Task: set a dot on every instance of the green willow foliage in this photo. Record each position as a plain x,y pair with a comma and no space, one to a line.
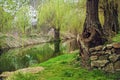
8,10
66,15
69,16
21,21
5,20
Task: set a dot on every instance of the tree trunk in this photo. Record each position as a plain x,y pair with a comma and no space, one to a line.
84,53
56,40
111,26
92,34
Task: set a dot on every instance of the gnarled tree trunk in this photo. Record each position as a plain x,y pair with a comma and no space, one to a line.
92,34
111,26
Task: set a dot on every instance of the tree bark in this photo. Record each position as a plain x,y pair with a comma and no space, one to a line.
111,26
56,40
92,34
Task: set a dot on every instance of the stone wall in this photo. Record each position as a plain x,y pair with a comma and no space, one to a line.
106,57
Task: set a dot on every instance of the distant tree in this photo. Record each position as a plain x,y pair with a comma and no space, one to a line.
51,13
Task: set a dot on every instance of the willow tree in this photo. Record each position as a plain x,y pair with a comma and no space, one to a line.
111,25
51,13
92,34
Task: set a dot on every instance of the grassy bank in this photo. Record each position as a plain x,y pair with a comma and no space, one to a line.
65,67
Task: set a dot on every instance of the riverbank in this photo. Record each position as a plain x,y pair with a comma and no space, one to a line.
10,41
64,67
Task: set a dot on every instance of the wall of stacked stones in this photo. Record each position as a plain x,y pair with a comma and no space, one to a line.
106,57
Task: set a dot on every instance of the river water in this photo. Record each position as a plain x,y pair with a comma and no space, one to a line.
23,57
18,58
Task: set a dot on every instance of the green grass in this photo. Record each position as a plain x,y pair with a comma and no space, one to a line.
65,67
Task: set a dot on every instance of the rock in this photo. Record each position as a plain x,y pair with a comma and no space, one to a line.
108,52
99,63
93,58
117,66
109,68
116,45
93,53
109,46
103,57
92,50
32,70
113,50
98,48
113,57
101,52
104,48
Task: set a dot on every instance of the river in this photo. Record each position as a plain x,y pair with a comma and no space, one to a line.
14,59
